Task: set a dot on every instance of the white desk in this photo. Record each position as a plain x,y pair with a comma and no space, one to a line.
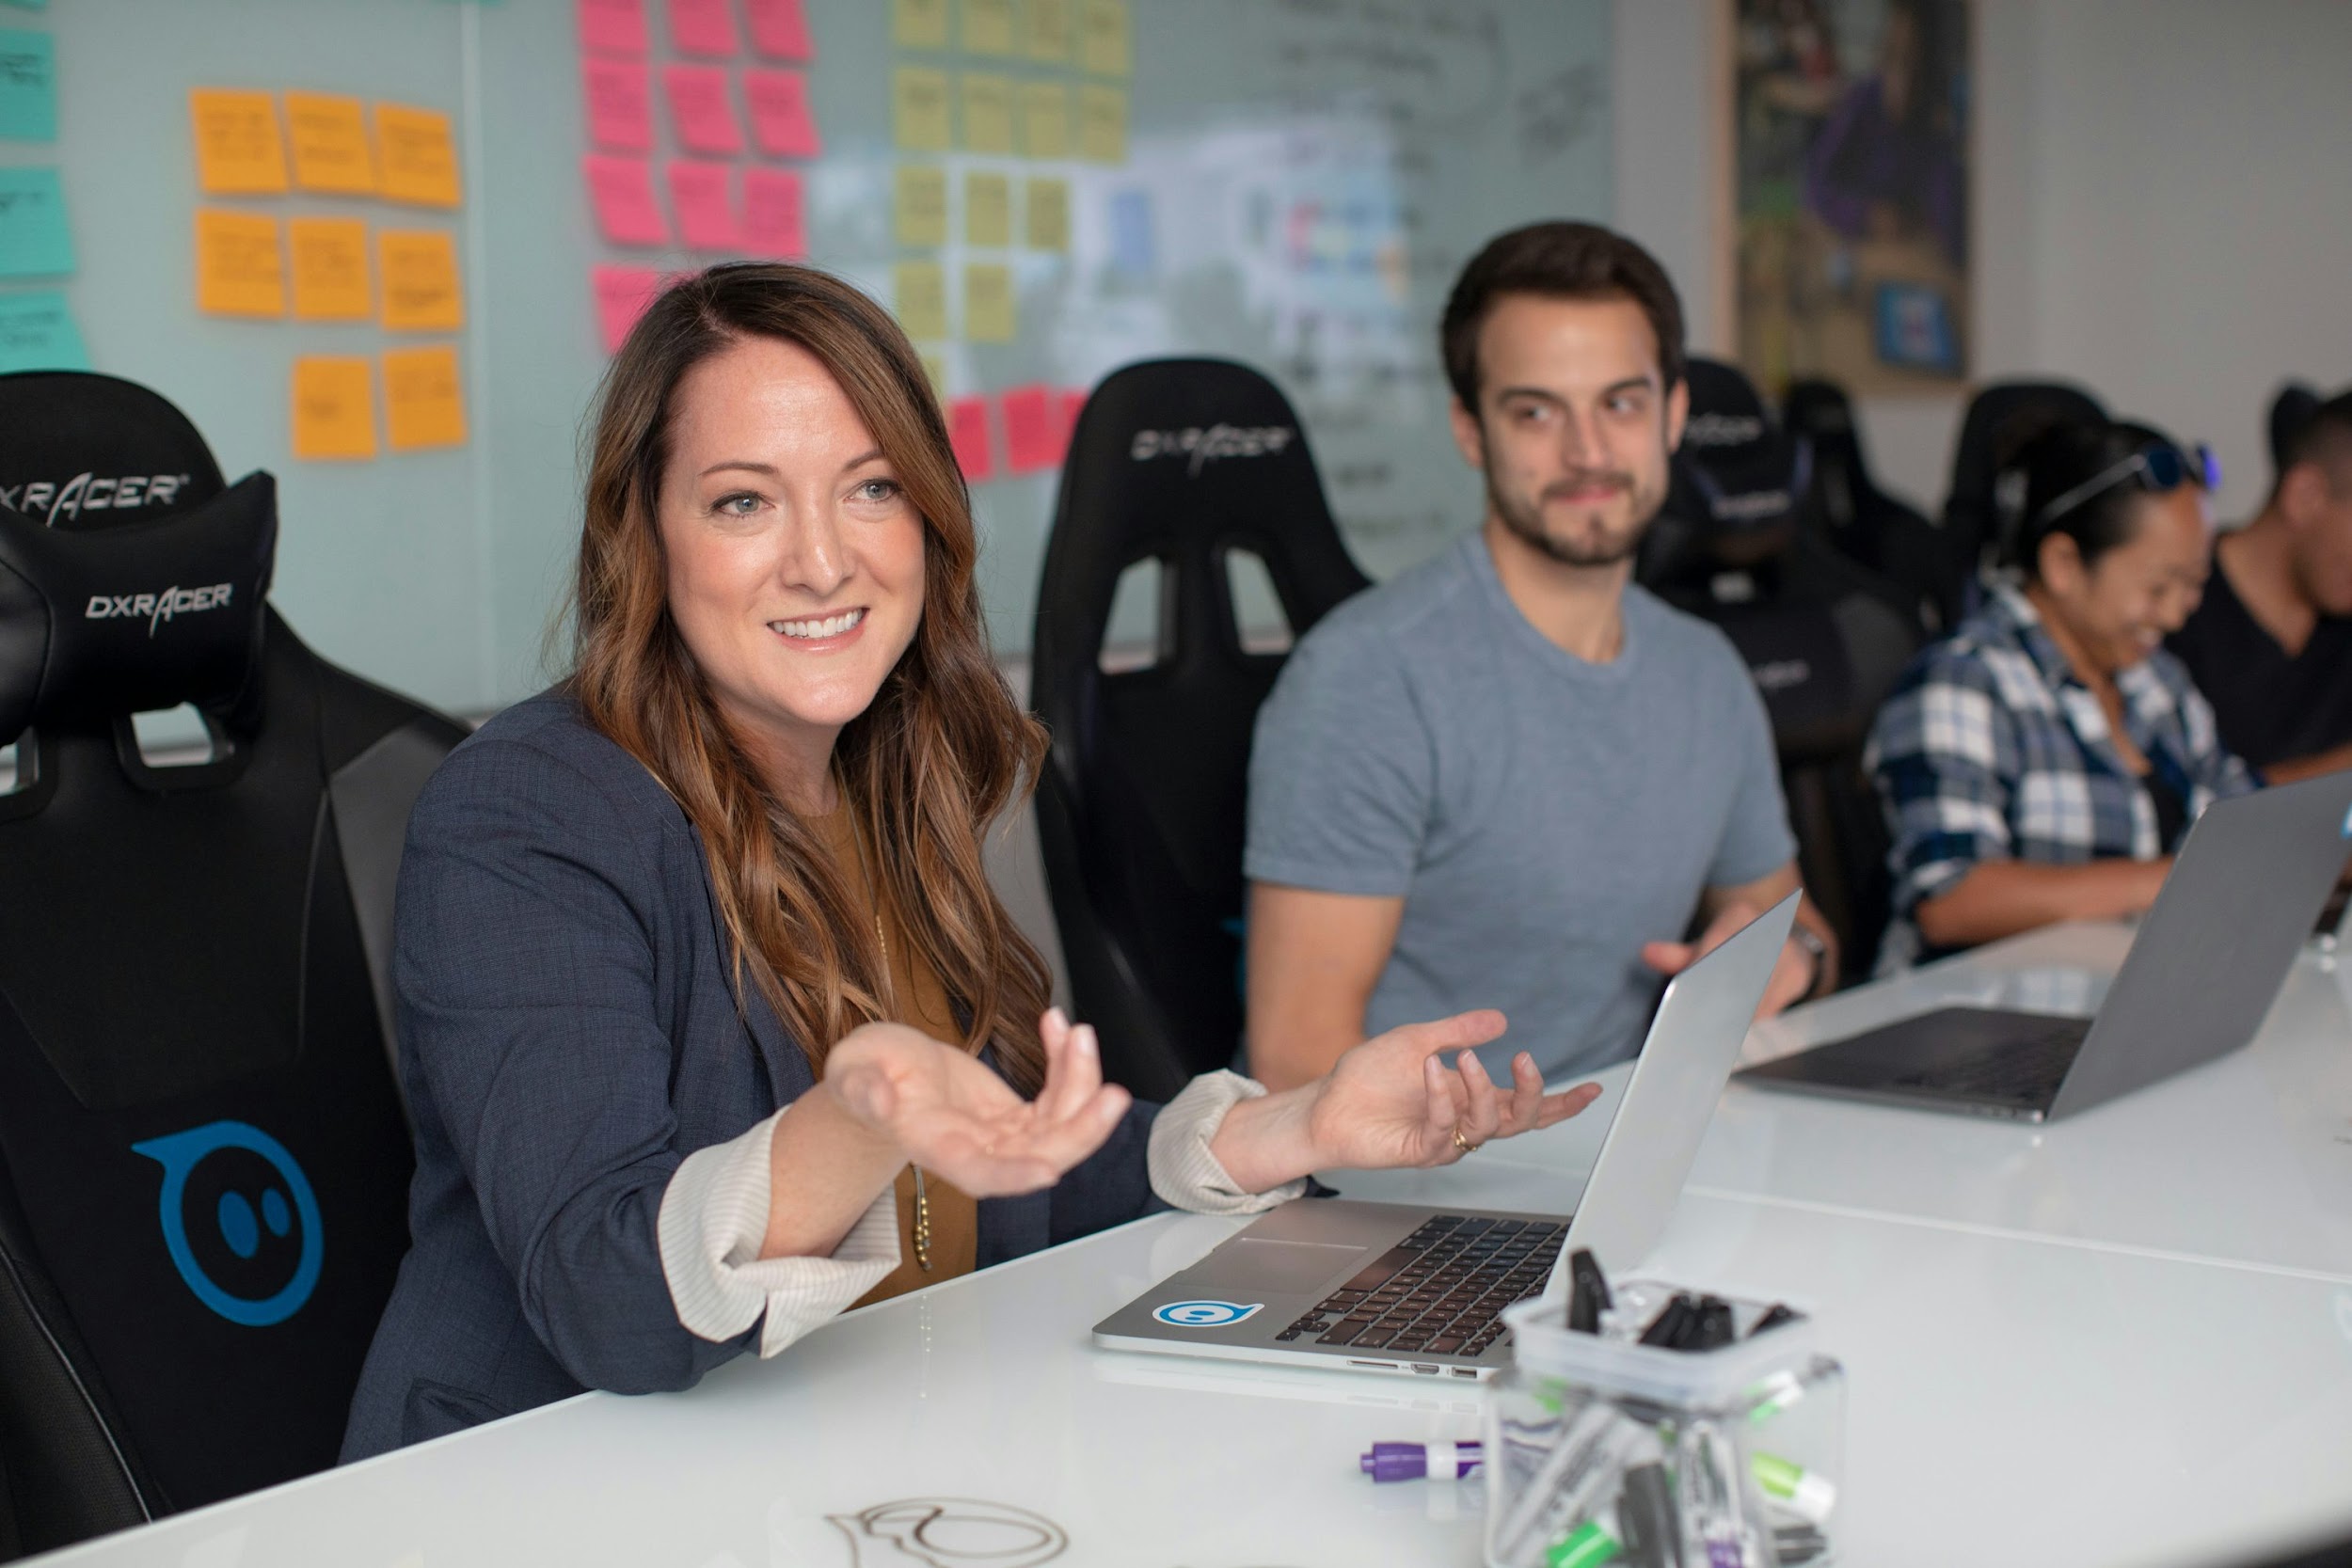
2024,1391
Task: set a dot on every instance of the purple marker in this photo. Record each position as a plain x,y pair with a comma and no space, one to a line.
1412,1461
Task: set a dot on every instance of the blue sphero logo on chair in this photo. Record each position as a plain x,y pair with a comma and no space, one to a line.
1205,1314
239,1219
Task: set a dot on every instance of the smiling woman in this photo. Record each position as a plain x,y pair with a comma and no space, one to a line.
710,1023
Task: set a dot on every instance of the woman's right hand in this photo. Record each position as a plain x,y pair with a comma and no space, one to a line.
949,1112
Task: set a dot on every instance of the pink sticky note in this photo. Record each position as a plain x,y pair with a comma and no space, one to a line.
702,27
968,432
700,110
1031,433
773,224
621,189
620,106
613,26
780,119
1073,403
699,196
621,296
780,30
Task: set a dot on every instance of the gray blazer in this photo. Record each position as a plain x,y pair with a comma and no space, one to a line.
568,1035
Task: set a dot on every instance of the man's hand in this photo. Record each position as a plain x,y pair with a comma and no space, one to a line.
1793,977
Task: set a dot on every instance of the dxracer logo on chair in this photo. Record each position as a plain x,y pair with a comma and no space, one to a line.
240,1220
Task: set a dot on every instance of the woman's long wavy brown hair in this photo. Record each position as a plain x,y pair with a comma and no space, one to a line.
939,753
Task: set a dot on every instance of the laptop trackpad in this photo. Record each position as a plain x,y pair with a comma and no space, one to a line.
1275,1266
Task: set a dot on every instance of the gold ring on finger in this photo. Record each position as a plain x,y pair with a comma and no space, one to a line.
1463,1144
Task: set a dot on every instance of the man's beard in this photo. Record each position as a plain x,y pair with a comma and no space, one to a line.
1525,519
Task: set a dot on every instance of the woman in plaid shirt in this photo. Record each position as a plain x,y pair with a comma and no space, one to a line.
2043,763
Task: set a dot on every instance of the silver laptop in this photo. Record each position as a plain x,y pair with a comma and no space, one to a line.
2207,962
1407,1288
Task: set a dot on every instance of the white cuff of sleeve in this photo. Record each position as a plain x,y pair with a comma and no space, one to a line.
714,1216
1183,1170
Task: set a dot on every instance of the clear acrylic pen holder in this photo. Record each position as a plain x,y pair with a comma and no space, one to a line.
1601,1449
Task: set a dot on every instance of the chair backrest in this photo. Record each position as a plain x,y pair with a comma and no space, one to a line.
1186,463
203,1161
1823,637
1995,417
1847,509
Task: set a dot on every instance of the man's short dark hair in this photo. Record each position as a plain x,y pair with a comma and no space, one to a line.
2303,429
1558,260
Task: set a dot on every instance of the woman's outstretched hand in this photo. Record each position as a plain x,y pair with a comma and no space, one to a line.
948,1112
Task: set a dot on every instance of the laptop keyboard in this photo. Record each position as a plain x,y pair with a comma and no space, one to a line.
2029,1070
1441,1290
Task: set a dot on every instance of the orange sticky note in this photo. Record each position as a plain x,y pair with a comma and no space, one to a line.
416,159
702,27
621,296
237,148
424,399
700,111
239,271
330,269
704,209
621,190
613,26
329,137
774,221
780,115
620,105
421,289
780,30
1033,433
967,433
334,407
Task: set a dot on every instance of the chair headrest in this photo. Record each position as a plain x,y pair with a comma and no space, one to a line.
1993,414
129,578
1738,481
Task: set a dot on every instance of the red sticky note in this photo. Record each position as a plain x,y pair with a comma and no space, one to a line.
1032,434
705,207
780,119
773,224
621,296
780,30
621,189
968,432
620,106
702,27
613,26
1074,402
700,111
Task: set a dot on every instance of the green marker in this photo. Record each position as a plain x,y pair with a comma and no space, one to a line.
1587,1546
1794,1487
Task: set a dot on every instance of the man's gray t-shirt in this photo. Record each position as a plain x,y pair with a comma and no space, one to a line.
1542,816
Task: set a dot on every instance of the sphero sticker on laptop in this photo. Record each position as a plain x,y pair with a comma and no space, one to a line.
2347,824
1205,1314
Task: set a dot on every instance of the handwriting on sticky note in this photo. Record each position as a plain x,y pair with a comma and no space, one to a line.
1103,124
621,192
1045,120
329,262
238,151
780,30
987,112
621,296
328,136
774,221
421,289
918,23
614,26
424,399
416,158
988,308
987,209
37,333
620,105
240,270
919,289
1047,215
700,110
1103,41
967,433
705,207
28,86
1032,428
702,27
34,239
334,407
782,122
918,108
919,204
1046,29
989,26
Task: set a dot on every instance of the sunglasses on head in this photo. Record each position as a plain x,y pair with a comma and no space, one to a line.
2158,466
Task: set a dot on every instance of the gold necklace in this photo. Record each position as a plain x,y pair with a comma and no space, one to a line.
890,999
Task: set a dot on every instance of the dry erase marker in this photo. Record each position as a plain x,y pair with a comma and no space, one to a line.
1412,1461
1808,1496
1588,1545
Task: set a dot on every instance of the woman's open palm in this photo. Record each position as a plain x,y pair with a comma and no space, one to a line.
1393,1101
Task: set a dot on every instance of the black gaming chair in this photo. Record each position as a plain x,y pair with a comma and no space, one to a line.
1824,637
203,1161
1845,506
1971,511
1140,811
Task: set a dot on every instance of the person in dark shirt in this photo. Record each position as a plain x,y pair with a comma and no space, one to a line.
2271,644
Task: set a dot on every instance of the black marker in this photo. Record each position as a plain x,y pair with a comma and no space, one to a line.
1774,1315
1711,1326
1588,1293
1668,1327
1646,1518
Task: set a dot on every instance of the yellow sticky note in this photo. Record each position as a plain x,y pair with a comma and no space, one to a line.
421,290
239,271
334,407
1048,214
920,289
1103,124
1103,39
1045,120
330,269
936,372
416,158
918,109
920,208
987,26
237,148
424,399
918,23
988,313
987,209
329,138
1046,29
987,112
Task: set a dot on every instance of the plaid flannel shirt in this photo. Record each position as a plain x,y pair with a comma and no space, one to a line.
1989,748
